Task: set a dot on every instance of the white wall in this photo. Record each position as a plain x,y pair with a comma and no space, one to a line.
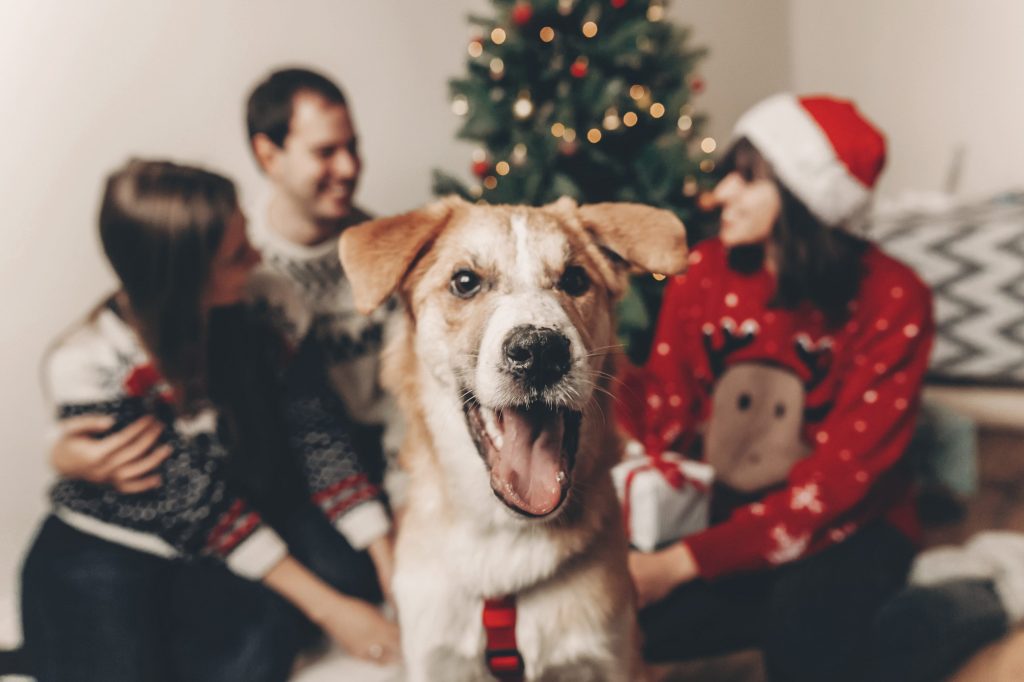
748,58
86,84
935,75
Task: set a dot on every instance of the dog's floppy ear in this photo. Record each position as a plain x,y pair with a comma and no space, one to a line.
376,255
646,239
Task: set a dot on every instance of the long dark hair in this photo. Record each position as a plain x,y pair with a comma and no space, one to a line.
161,225
815,263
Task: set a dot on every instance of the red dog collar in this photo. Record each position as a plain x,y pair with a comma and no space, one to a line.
502,655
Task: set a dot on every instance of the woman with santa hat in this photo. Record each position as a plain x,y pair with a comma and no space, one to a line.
790,357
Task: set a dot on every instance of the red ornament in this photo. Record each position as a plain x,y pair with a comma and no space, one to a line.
579,68
618,4
481,168
696,85
522,13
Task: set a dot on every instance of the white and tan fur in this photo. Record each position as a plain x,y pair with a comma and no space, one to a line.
458,543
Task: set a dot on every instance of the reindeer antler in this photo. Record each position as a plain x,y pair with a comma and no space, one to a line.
816,357
731,341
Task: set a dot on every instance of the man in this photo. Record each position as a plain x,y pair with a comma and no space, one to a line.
303,138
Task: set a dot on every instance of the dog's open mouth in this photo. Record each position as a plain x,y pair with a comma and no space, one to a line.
530,451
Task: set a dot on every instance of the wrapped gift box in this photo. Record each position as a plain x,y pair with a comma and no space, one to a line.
663,498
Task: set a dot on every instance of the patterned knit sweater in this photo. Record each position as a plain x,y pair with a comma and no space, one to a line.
806,426
305,293
102,368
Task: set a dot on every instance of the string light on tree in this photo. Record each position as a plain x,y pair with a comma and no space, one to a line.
629,119
502,168
708,145
519,154
690,186
655,12
565,7
611,120
685,123
475,48
460,105
593,135
490,182
589,29
657,110
707,165
497,67
637,91
498,36
547,34
523,106
557,129
569,135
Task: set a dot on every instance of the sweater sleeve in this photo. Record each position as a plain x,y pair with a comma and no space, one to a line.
660,401
319,432
843,483
194,512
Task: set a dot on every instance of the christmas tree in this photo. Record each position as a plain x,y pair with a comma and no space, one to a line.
589,99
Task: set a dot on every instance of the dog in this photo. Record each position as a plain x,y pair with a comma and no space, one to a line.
503,370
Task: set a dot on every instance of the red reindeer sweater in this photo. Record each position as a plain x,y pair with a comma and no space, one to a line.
812,421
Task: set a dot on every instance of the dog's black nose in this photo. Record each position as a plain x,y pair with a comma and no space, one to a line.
536,355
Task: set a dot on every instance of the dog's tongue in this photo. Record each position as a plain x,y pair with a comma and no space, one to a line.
530,460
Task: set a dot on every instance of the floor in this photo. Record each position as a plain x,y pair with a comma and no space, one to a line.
999,504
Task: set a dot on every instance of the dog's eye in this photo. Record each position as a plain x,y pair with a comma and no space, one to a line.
465,283
574,281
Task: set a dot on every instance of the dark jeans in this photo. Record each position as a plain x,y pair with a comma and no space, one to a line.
812,618
95,611
925,633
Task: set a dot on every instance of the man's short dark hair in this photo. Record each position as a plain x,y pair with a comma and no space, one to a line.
269,110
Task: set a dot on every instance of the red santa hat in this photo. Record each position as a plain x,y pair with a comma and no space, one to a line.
821,148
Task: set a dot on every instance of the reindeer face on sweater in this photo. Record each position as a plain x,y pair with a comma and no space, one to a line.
754,436
758,409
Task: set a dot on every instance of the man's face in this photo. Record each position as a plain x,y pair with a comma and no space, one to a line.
318,166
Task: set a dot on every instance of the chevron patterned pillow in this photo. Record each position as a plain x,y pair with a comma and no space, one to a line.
972,256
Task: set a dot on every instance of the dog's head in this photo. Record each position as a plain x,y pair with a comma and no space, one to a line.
511,311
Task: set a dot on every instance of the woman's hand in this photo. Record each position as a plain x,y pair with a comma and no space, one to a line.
357,626
124,459
382,552
361,629
655,574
